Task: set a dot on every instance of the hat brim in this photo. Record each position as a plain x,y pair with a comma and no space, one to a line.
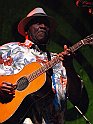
24,21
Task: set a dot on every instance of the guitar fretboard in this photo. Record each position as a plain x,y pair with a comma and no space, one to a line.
77,46
44,68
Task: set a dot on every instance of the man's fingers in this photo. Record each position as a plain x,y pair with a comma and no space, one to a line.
7,84
67,51
8,87
65,47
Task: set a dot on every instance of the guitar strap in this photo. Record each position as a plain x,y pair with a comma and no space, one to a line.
49,58
48,83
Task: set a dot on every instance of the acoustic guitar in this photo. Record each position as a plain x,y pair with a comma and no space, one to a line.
30,79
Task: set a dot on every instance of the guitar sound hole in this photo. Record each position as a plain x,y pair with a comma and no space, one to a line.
22,83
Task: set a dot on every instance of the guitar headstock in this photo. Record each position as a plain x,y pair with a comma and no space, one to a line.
88,40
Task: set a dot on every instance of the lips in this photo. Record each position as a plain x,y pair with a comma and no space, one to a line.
42,33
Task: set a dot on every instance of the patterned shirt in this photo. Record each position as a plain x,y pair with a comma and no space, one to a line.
15,56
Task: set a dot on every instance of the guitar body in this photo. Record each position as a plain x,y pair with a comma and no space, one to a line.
21,113
9,108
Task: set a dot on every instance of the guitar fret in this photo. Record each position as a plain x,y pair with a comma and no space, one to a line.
32,76
43,69
77,45
54,61
36,73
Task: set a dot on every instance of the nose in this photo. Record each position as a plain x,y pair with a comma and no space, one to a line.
42,25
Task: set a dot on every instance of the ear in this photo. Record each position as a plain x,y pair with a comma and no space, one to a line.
26,36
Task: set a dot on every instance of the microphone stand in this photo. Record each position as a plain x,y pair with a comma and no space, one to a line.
87,121
85,118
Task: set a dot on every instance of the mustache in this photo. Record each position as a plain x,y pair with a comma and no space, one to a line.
43,30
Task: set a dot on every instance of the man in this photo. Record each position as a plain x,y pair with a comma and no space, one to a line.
48,103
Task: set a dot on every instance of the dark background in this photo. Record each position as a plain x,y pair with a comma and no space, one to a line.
74,24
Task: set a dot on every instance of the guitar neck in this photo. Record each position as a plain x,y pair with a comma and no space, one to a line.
44,68
87,40
77,46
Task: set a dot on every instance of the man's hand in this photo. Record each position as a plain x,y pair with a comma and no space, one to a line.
7,92
8,88
66,57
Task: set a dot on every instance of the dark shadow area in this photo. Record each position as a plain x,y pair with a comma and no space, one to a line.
78,55
15,33
76,22
85,65
72,113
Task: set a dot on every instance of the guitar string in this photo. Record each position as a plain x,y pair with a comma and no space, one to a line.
44,68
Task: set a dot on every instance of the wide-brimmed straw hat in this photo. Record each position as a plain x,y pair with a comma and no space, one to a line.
37,12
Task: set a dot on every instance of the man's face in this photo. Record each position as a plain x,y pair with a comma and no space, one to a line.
39,30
